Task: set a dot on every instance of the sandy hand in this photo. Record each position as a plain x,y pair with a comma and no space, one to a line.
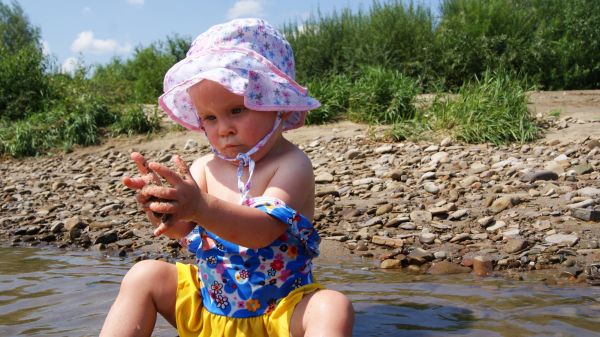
165,195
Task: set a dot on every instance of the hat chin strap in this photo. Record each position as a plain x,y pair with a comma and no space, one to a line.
244,160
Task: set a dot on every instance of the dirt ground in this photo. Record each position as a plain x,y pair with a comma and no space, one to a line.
578,111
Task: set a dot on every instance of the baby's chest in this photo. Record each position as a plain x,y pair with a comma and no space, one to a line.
223,183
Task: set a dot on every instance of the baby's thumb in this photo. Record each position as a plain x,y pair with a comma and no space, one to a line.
160,230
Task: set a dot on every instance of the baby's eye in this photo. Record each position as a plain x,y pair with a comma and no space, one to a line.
238,110
208,118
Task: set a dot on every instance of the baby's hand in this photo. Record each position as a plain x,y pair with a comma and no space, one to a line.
146,178
179,202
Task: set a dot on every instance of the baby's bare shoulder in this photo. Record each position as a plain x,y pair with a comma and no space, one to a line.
294,159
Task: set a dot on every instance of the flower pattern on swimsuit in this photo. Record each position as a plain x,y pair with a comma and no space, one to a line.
242,282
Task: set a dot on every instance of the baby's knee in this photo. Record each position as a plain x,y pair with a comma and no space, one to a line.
143,273
331,302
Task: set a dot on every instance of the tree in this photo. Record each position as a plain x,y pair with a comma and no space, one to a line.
23,84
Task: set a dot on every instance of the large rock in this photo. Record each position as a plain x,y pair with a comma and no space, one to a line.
447,268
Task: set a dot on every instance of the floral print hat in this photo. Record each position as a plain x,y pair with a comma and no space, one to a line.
250,58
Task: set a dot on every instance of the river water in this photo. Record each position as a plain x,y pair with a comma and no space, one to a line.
48,292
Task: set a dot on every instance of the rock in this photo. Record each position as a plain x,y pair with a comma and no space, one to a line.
431,187
353,153
589,191
107,237
322,191
582,204
408,226
390,264
384,149
440,157
468,181
372,222
432,148
383,209
427,238
385,241
419,257
458,214
366,181
478,167
421,217
190,144
586,214
395,222
515,245
486,221
447,268
539,175
442,210
582,169
446,142
501,204
323,178
568,239
496,226
460,237
482,266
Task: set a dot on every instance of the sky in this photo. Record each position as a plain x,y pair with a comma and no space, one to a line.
94,31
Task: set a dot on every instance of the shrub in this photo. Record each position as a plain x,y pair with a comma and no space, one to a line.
134,119
332,91
493,109
381,96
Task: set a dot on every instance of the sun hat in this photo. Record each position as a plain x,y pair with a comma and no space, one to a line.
248,57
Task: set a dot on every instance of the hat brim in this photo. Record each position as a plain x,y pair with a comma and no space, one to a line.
243,72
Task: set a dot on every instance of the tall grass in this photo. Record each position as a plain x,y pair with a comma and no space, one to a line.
492,109
389,35
381,96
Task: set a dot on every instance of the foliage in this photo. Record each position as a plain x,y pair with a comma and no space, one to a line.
390,35
23,84
381,96
333,92
493,109
134,119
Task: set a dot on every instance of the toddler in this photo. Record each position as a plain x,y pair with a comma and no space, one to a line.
244,210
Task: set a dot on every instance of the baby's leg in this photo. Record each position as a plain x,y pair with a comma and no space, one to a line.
149,287
323,313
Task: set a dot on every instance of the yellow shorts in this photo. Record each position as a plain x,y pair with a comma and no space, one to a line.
193,320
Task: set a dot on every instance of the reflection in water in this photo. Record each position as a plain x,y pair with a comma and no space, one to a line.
58,293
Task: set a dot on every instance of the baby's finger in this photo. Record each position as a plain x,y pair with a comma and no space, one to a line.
140,162
170,176
182,167
160,192
161,229
133,183
160,206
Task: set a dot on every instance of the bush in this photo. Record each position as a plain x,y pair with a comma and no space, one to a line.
134,119
493,109
23,84
389,34
332,91
381,96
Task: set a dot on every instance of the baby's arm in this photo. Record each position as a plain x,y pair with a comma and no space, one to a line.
293,183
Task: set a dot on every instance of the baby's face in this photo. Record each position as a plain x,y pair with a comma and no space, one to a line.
231,128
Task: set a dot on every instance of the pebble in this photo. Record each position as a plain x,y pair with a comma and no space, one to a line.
568,239
518,207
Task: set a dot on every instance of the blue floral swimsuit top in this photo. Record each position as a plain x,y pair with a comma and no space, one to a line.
242,282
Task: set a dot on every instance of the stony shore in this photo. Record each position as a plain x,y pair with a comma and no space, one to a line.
432,207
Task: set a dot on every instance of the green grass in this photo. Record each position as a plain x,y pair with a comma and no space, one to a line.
490,110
